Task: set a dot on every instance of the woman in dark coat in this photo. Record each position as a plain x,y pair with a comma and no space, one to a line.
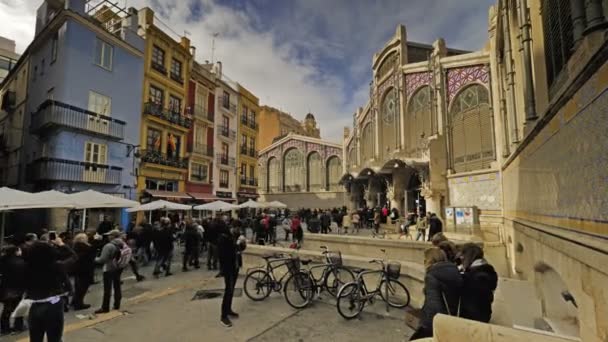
12,268
442,291
83,270
480,281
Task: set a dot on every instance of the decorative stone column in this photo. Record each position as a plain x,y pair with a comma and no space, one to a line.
433,200
398,190
594,14
578,19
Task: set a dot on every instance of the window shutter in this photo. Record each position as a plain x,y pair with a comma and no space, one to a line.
103,154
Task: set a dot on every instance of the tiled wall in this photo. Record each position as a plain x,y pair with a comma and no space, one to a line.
481,190
561,177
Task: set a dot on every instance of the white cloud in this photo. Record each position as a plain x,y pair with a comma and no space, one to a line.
18,21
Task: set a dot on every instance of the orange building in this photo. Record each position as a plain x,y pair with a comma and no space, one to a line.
275,123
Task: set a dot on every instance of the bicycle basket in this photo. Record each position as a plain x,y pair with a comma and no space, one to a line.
393,269
293,265
335,258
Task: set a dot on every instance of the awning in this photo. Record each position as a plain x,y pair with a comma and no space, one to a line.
204,196
168,194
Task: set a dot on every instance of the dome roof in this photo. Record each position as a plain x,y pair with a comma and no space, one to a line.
309,116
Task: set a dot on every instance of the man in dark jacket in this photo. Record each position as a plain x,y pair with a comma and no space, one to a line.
111,271
192,242
104,226
435,226
211,235
229,267
163,243
12,286
325,222
480,282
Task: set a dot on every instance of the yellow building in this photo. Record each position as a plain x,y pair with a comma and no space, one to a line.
247,155
275,123
165,123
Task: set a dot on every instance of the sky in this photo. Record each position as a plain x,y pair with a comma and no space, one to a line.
297,55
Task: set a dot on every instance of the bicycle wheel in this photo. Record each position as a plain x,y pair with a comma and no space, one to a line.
299,290
350,301
398,295
336,278
257,285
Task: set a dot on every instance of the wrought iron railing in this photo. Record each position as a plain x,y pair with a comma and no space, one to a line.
158,111
206,150
226,132
244,149
58,114
252,124
252,181
51,169
230,107
202,113
225,160
157,157
253,152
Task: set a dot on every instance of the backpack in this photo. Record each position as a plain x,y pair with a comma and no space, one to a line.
123,256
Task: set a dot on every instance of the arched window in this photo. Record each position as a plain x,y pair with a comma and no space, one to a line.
315,172
293,170
273,175
367,142
418,125
352,155
471,130
559,36
390,122
334,172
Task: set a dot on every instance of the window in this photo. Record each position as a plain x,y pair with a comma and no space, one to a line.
198,172
226,100
559,36
54,47
160,184
224,150
173,146
103,54
273,175
100,104
158,59
293,170
315,172
252,143
390,122
243,143
224,177
472,130
244,115
155,95
225,121
95,153
199,135
176,70
419,119
153,139
243,171
334,172
252,117
42,67
175,104
251,172
35,73
367,142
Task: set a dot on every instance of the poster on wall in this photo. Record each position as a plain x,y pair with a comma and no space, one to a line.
449,213
459,215
468,216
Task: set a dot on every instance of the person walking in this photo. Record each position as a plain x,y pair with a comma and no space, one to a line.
115,256
421,226
229,267
435,226
377,221
325,222
46,284
211,236
346,222
12,286
192,242
296,224
83,270
164,248
442,291
356,219
480,282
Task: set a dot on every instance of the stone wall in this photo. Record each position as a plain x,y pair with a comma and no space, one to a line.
481,190
322,200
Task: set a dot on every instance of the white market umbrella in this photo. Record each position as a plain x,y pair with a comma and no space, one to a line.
252,204
276,204
159,205
217,206
94,199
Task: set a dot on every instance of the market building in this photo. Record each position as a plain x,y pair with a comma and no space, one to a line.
302,172
515,136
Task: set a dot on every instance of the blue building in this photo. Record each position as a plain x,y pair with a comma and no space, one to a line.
84,101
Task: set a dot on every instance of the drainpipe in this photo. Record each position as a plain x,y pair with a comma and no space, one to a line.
524,28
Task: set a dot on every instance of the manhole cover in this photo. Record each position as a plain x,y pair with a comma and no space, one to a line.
214,293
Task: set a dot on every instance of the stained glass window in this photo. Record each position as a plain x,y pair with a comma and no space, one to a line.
367,142
294,170
273,175
315,172
334,172
390,122
418,125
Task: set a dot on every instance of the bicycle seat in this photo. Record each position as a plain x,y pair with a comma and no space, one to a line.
306,262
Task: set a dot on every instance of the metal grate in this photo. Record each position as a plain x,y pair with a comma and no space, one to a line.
559,36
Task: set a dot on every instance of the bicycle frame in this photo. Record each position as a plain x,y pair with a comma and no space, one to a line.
363,287
269,268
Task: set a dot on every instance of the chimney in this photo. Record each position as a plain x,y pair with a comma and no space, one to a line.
129,28
185,43
218,70
193,52
146,17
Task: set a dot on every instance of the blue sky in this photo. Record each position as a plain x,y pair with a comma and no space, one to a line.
298,55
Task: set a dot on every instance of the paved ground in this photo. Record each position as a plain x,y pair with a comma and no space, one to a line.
163,310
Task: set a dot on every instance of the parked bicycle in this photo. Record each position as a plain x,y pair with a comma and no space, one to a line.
302,285
353,296
261,281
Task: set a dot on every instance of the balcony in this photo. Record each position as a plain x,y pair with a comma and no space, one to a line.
252,181
225,160
206,150
50,169
253,153
251,123
157,110
160,68
177,78
226,132
53,114
244,120
229,107
202,113
159,158
244,150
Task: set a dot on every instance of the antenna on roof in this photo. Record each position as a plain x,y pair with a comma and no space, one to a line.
214,35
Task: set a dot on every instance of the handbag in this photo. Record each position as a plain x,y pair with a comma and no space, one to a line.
447,307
